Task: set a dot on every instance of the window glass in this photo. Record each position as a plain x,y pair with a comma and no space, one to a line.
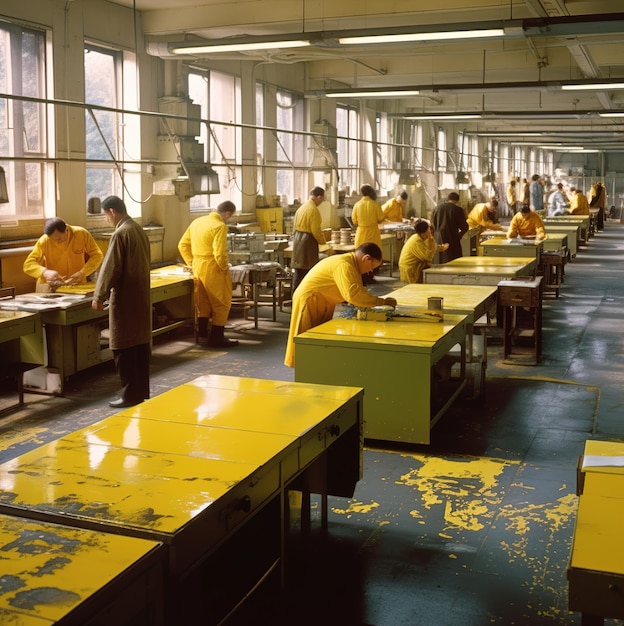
102,68
22,124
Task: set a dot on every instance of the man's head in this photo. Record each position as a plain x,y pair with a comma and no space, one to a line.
492,205
512,182
226,209
368,191
421,227
114,208
402,197
453,197
317,195
525,209
368,256
56,229
560,186
535,177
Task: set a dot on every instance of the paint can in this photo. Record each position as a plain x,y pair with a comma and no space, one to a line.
435,304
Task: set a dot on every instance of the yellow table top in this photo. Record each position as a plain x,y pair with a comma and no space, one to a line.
54,568
456,297
490,261
598,542
503,241
398,333
606,457
253,405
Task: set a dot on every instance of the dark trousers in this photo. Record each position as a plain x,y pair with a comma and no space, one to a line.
133,366
298,275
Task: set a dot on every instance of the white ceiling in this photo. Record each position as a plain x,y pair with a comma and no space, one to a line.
442,70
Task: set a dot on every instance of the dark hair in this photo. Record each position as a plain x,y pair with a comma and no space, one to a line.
493,202
403,195
367,190
453,196
54,223
559,185
370,248
114,202
422,226
535,177
227,206
512,183
317,191
525,208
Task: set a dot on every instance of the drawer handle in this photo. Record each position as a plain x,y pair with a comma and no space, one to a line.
334,430
244,504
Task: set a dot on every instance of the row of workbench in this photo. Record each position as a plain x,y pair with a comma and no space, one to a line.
170,512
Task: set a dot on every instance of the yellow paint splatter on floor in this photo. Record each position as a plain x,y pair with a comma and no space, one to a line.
467,488
356,507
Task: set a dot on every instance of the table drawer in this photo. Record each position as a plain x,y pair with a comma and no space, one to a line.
519,296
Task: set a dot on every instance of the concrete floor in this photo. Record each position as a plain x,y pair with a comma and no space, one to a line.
474,529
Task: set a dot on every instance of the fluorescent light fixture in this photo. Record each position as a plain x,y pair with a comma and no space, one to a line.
592,86
240,47
562,147
437,36
614,114
443,118
372,94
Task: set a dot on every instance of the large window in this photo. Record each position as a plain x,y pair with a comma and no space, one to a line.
291,156
102,68
219,98
347,128
22,124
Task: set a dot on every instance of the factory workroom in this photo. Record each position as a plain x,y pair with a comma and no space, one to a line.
474,527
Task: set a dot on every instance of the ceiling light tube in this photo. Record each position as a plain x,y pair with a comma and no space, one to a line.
592,86
407,37
614,114
372,94
239,47
442,117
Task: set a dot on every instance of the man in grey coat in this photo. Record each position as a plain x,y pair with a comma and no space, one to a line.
124,280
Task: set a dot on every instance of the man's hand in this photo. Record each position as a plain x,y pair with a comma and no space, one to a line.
96,305
443,247
52,277
75,279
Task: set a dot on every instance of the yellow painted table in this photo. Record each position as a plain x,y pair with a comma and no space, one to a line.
203,468
555,242
512,248
571,229
480,270
596,569
15,328
74,330
583,221
405,368
53,574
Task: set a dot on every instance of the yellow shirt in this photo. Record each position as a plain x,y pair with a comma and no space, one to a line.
332,280
480,217
416,256
204,247
526,225
78,253
367,215
393,210
579,204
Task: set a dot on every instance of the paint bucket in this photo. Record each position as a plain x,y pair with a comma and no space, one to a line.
435,304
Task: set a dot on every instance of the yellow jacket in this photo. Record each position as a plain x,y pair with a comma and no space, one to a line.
367,215
393,210
204,247
78,253
416,256
526,225
480,217
332,280
579,204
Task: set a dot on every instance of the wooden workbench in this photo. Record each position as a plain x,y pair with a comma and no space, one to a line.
204,469
404,366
